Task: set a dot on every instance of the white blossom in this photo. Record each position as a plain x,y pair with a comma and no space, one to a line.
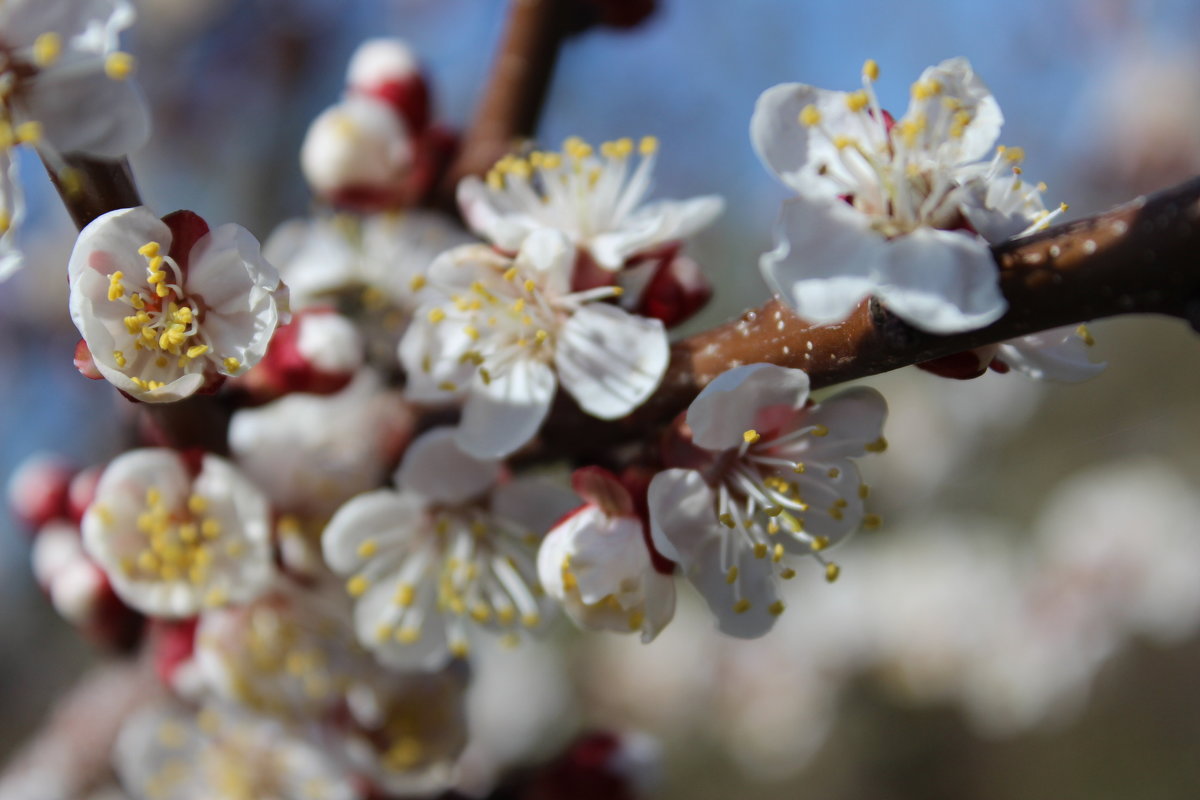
884,210
506,332
167,752
451,546
290,653
382,258
596,201
173,542
768,477
64,88
160,324
597,563
311,453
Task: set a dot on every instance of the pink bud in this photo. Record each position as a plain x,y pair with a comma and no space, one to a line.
318,352
37,490
82,491
387,69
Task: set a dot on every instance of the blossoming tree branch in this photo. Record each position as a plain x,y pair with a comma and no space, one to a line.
330,500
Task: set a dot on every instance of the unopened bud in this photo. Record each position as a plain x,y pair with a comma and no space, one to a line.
357,154
387,69
37,490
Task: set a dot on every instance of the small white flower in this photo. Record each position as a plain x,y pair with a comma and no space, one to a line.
379,259
883,210
506,332
64,89
768,477
450,547
311,453
160,323
173,542
597,202
597,562
167,752
290,653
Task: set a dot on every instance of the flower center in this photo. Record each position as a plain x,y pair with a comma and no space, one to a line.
509,319
574,191
178,543
468,564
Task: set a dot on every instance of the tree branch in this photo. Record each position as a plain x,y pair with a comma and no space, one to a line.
511,102
1140,258
90,187
70,754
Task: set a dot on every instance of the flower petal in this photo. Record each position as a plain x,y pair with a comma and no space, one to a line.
736,399
1059,354
502,415
853,418
683,519
435,468
941,281
367,516
825,260
610,361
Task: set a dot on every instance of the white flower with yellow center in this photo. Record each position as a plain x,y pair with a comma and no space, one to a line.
160,323
172,540
767,477
290,653
168,752
597,562
506,332
449,548
597,201
893,210
64,88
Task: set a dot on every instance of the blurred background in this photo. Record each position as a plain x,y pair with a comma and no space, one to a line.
1024,624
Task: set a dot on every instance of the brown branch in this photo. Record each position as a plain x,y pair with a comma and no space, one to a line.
511,101
70,754
1140,258
90,187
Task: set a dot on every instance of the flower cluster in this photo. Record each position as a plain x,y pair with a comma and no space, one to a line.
322,572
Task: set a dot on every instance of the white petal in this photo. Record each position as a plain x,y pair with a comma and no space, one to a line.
779,139
504,414
504,229
804,158
652,225
659,592
435,468
431,354
735,400
854,419
88,112
825,259
1059,354
382,512
960,83
610,361
683,518
941,281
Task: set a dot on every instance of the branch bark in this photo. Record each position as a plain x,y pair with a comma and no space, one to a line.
70,754
1140,258
511,101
